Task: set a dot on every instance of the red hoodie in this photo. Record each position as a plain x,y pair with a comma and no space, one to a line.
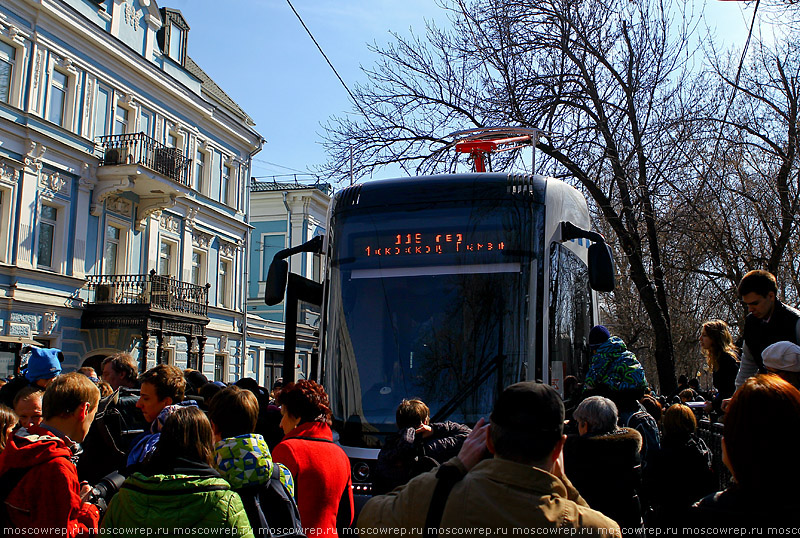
48,496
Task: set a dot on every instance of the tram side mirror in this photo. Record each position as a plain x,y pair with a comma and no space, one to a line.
601,267
275,288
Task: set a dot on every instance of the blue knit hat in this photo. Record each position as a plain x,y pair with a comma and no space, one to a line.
598,336
43,364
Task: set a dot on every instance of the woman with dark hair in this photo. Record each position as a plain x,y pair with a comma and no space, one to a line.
759,446
178,488
320,467
681,473
722,359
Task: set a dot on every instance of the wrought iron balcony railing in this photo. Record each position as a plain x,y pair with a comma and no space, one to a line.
141,149
151,290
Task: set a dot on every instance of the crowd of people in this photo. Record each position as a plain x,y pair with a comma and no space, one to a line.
168,452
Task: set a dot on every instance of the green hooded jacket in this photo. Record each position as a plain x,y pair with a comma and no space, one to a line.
177,505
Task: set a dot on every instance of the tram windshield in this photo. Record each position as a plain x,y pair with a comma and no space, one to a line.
426,303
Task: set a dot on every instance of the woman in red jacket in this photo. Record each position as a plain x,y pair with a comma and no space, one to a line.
320,467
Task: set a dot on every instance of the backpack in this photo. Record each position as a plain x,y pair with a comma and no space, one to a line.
271,509
644,423
117,423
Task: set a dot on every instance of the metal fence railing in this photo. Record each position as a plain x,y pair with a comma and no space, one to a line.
152,290
140,149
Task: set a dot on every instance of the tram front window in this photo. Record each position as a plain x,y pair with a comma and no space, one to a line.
430,312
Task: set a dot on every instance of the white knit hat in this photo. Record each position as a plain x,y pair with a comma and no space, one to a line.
783,356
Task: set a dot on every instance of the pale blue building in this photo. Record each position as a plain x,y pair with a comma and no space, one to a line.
123,190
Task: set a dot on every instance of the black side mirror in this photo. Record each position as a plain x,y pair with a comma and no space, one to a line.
275,288
601,267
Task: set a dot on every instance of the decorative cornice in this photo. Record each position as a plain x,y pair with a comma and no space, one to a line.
8,174
119,205
53,183
201,239
170,223
33,159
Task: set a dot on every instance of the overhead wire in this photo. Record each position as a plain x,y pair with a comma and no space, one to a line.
341,80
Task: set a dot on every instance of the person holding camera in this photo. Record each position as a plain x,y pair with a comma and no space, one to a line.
38,480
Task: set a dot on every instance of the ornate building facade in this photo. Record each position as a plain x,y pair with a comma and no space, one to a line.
123,190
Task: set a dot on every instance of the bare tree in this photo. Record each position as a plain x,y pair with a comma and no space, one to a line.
599,77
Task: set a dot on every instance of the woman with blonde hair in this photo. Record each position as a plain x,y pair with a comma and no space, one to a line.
722,359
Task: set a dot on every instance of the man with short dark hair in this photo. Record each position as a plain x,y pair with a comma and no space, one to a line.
161,386
119,370
769,321
523,486
38,461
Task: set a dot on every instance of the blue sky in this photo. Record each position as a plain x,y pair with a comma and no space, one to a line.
259,53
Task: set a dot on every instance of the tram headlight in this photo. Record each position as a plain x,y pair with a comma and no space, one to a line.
360,471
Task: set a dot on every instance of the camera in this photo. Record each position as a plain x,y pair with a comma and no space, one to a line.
105,489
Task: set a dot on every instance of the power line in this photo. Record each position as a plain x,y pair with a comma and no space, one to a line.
281,166
352,97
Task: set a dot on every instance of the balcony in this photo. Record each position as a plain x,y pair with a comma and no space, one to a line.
138,164
132,300
156,305
140,149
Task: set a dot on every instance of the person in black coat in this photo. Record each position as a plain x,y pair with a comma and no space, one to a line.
681,472
417,447
603,462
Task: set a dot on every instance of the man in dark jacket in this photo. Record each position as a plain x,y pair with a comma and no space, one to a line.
417,447
768,322
47,494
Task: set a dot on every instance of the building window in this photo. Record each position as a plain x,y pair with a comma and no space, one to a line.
198,268
166,258
146,122
8,56
199,170
225,184
59,85
102,114
219,367
223,284
112,250
176,43
47,232
172,140
121,118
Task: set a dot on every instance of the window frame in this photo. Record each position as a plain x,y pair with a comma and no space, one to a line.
121,261
65,118
118,105
107,114
202,267
173,257
224,291
57,248
201,186
221,357
225,184
17,78
12,63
